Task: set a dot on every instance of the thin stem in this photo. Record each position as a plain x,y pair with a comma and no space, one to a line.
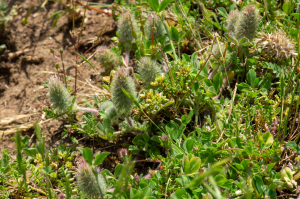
98,183
64,72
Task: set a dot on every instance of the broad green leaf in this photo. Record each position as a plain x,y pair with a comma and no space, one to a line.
242,86
294,146
100,158
164,4
174,34
259,184
186,164
154,4
167,48
146,137
30,152
208,83
211,92
286,7
179,194
88,155
188,145
118,170
47,170
146,192
239,166
251,75
195,164
222,11
296,15
217,82
266,141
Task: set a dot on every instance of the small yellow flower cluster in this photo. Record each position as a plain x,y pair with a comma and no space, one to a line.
152,101
158,81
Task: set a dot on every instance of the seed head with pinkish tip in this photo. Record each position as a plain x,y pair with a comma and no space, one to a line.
61,196
137,178
165,138
122,153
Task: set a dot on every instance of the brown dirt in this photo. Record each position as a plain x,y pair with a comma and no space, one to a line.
21,78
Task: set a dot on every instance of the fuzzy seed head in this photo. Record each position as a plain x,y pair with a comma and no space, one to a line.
108,59
247,23
127,27
158,28
231,21
277,44
86,181
122,80
59,94
148,70
109,108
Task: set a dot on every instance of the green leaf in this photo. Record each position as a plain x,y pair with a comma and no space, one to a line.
132,99
251,75
266,141
164,4
30,152
100,158
179,194
211,92
154,4
188,145
296,15
259,184
286,7
239,166
167,48
88,155
47,170
118,170
80,149
146,137
208,83
186,164
174,34
195,164
222,11
294,146
218,81
87,61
